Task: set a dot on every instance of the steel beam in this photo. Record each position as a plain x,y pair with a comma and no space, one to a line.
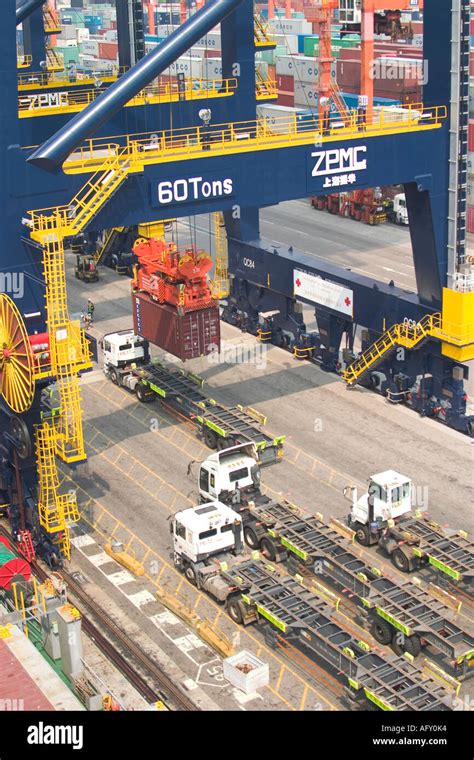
53,152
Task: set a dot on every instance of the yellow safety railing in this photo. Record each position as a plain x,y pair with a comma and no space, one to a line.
265,88
261,33
248,136
51,21
38,104
24,61
36,79
409,335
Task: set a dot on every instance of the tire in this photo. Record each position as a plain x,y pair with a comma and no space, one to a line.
235,611
114,376
251,539
381,631
268,549
210,438
412,645
362,535
223,443
140,391
401,561
190,574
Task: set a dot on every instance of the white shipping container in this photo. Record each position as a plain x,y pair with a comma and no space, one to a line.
287,41
190,67
82,34
291,26
111,35
211,68
301,67
68,32
89,47
277,118
212,41
103,65
306,94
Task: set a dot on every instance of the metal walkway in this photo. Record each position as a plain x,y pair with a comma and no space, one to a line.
298,614
73,101
248,136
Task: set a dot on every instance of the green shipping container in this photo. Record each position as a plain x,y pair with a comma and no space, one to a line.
69,53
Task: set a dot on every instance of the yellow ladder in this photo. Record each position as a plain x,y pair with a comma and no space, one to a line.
56,511
407,335
69,352
220,282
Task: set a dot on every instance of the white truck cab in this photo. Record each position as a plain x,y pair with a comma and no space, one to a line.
205,531
400,211
388,497
229,471
123,348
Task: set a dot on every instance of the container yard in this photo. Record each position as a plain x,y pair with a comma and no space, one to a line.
237,340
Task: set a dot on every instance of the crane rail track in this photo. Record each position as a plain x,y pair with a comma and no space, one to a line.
165,689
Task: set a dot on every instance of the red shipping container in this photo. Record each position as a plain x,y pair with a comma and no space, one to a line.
286,84
108,50
471,135
187,336
286,100
471,65
272,75
472,25
470,219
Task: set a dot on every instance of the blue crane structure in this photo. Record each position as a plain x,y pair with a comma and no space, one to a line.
123,159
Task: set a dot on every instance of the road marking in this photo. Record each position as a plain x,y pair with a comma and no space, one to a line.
141,598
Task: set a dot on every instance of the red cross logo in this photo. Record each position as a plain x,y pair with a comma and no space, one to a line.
298,282
347,301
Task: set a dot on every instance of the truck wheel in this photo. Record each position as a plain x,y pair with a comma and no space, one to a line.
362,535
114,376
251,538
235,610
412,645
141,394
210,438
267,548
381,631
190,574
401,561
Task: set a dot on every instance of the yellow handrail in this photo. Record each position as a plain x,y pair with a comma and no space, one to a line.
39,104
188,142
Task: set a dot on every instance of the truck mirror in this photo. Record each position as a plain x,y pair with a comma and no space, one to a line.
171,527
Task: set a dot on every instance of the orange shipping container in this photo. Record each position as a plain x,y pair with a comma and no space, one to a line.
108,50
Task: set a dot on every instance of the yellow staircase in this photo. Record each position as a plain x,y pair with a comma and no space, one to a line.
54,60
405,335
264,88
262,37
69,351
56,511
51,21
220,282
